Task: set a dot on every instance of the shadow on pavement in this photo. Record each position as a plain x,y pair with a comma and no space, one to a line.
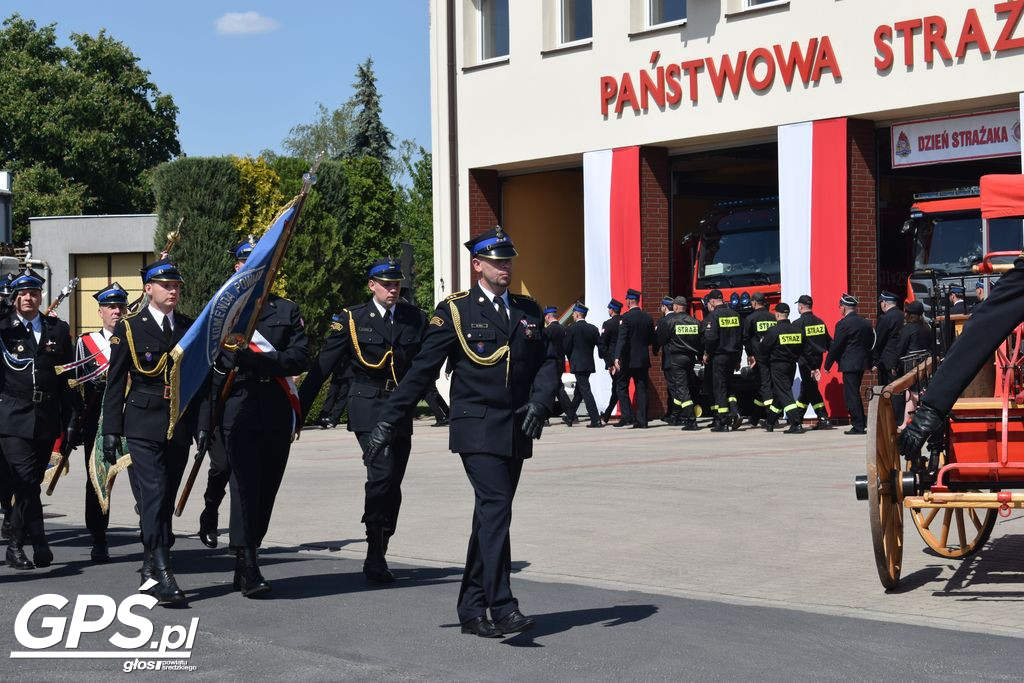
983,575
559,622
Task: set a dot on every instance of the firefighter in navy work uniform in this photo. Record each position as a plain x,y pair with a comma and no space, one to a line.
35,407
681,338
606,348
851,349
258,420
782,347
580,342
671,416
504,378
633,360
755,326
140,411
817,342
723,344
887,334
113,303
379,340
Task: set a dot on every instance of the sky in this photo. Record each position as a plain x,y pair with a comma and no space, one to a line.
243,73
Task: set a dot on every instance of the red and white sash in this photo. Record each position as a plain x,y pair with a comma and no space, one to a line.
259,344
97,346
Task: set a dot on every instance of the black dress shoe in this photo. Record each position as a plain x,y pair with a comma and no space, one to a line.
637,425
569,422
595,425
17,559
440,423
823,423
99,553
795,428
623,423
248,578
515,623
42,555
208,527
166,590
855,430
480,626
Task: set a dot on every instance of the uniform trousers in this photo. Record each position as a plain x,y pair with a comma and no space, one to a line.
851,394
765,394
614,400
723,365
219,474
256,460
95,521
25,461
337,398
885,375
384,477
156,472
438,406
6,489
782,374
585,394
810,395
639,379
486,582
680,375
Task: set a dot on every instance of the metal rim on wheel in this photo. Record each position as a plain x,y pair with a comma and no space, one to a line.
885,507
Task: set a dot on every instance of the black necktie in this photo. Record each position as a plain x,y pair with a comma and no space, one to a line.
167,329
31,334
502,311
387,317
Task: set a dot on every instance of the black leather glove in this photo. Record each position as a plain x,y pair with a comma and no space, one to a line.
71,439
926,422
111,448
245,359
534,415
379,441
202,443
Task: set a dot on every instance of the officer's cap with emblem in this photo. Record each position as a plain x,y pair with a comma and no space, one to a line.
888,296
27,279
806,300
848,300
580,308
551,310
241,251
632,294
782,307
494,243
956,289
666,301
5,284
680,301
160,271
112,294
385,270
714,294
615,305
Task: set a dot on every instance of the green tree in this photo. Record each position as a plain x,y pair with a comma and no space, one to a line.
416,218
330,133
84,121
369,135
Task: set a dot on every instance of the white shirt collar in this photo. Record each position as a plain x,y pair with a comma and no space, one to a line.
158,316
381,309
492,296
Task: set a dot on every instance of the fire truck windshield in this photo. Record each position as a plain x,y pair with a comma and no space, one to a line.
952,243
739,258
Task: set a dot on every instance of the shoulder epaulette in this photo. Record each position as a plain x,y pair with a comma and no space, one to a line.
457,295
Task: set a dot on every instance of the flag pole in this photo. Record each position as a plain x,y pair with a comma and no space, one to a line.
308,180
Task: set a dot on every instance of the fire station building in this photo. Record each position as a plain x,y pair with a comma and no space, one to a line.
677,146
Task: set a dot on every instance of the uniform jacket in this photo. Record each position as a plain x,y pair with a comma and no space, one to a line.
851,348
60,405
661,331
783,344
483,398
370,387
556,333
256,398
816,339
887,334
91,391
959,308
723,334
755,327
915,336
636,334
609,338
142,412
680,336
580,340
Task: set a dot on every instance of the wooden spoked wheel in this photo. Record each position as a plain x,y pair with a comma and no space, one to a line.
885,506
955,533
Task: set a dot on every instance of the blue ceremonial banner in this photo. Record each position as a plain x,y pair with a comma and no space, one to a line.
228,312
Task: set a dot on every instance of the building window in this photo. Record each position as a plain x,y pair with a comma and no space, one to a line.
493,29
577,20
755,3
665,11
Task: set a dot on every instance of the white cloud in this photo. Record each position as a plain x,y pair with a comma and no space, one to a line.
236,23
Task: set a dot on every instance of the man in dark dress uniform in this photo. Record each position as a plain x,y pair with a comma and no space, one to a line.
781,348
580,342
957,305
606,349
680,337
259,418
991,322
6,486
755,326
379,340
851,349
140,351
816,345
723,344
556,333
504,378
92,378
887,333
633,360
35,407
